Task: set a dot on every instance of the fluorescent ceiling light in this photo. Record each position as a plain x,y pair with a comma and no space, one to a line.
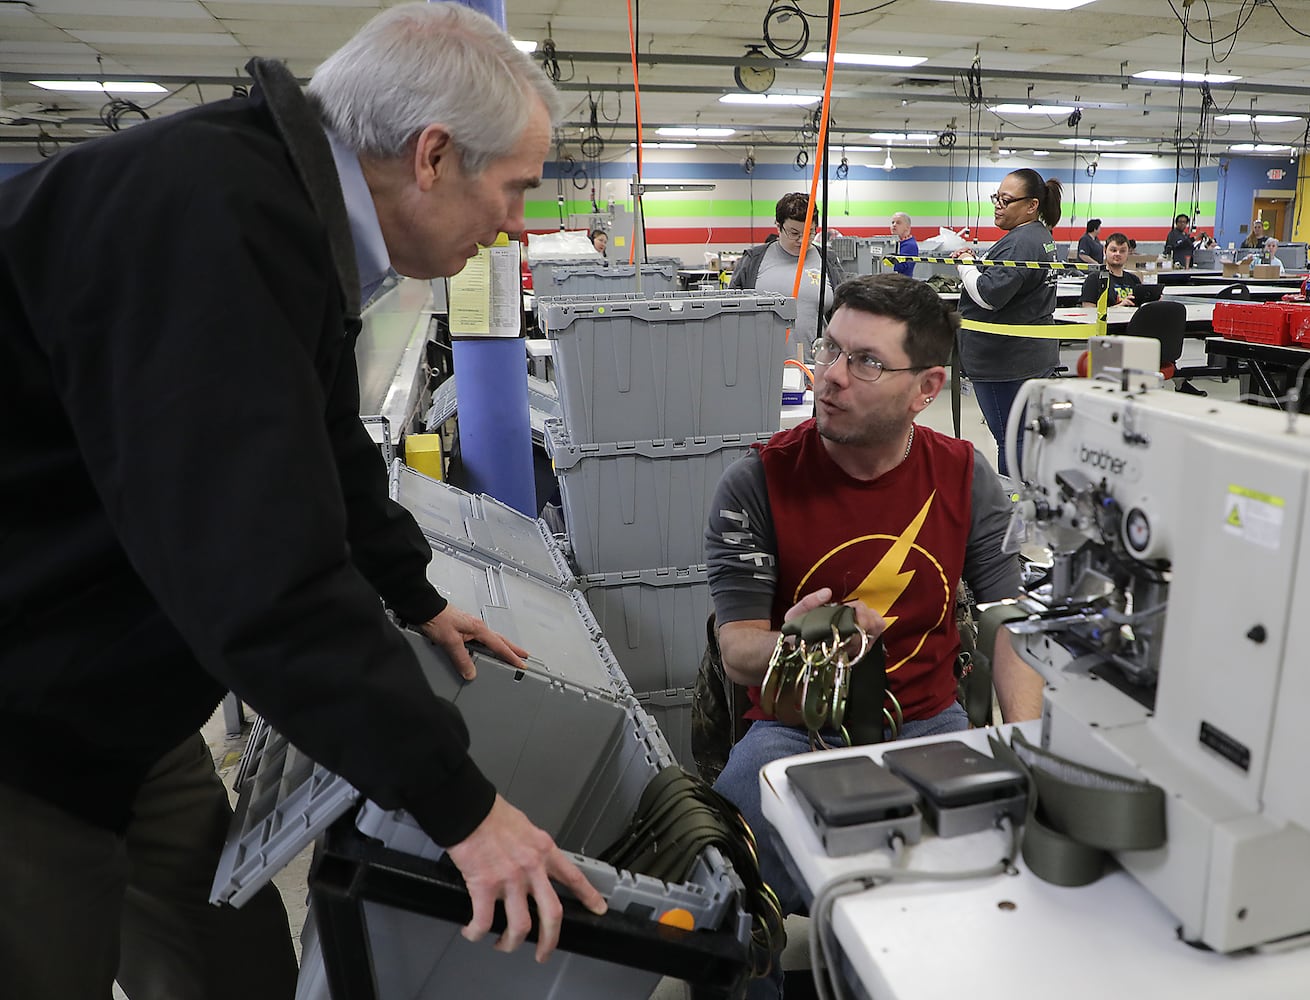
696,133
1039,152
1259,147
523,46
1031,109
865,59
663,145
793,99
859,149
903,136
1029,4
1130,156
111,86
1258,119
1175,76
1080,141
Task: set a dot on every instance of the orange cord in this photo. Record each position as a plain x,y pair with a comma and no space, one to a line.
636,93
809,375
819,166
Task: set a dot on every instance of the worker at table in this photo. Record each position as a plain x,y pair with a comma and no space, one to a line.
1123,284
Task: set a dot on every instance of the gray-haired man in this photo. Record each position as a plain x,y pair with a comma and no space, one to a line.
203,511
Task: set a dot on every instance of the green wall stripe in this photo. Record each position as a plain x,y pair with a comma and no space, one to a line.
665,207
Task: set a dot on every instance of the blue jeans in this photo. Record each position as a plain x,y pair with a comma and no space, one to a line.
764,743
995,400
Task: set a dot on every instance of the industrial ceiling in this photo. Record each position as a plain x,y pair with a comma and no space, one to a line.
976,58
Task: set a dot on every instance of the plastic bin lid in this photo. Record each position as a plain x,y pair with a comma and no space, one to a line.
480,525
559,312
562,273
543,403
286,801
556,626
564,454
673,576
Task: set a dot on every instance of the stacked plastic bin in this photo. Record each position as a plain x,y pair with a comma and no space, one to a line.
565,740
552,278
658,396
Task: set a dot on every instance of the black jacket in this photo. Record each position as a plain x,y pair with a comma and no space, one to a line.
188,502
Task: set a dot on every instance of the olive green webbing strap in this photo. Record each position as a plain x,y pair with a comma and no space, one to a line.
816,625
868,693
955,387
1076,814
868,684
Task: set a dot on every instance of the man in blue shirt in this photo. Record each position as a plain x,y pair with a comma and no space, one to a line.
908,245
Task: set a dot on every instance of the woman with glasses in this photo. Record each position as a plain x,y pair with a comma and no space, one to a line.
771,266
1026,207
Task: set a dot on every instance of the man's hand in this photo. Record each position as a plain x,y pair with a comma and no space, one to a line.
507,858
963,252
452,628
865,617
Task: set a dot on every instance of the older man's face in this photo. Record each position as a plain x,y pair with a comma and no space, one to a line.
451,211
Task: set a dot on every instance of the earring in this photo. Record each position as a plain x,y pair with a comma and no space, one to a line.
927,399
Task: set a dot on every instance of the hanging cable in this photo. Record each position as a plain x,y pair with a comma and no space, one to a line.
820,166
638,218
779,12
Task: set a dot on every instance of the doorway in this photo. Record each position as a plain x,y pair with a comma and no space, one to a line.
1274,213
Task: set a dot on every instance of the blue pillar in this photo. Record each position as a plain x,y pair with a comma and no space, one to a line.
495,431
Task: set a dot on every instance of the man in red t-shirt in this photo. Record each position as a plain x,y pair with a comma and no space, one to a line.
862,506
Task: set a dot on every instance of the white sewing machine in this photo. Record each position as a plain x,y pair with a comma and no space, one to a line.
1169,636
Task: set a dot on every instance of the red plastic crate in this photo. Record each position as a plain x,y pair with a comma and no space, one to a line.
1257,322
1298,325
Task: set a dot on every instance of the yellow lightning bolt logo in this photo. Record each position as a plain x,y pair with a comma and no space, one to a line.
886,582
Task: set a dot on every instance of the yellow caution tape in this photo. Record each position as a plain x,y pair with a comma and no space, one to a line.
1034,265
1050,331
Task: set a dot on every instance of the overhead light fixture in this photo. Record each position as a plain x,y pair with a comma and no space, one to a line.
904,136
797,100
1031,109
1039,152
696,133
109,86
860,149
523,46
1175,76
865,59
663,145
1028,4
1258,119
1259,147
1130,156
1082,141
887,164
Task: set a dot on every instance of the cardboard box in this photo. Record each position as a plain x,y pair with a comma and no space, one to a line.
1138,261
1233,268
1266,271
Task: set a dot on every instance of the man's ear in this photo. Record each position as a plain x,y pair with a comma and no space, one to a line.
434,153
930,387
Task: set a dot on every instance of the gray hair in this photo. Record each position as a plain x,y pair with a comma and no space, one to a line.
1271,243
898,216
421,64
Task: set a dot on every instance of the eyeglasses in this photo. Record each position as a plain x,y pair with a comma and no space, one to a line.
792,234
1005,200
861,364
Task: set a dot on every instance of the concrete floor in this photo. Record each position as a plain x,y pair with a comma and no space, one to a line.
292,882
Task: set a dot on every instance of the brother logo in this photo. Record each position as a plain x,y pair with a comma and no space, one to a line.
1105,461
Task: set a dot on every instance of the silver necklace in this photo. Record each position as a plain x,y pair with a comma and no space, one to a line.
908,444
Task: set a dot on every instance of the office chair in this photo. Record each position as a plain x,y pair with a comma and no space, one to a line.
1234,291
1165,321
